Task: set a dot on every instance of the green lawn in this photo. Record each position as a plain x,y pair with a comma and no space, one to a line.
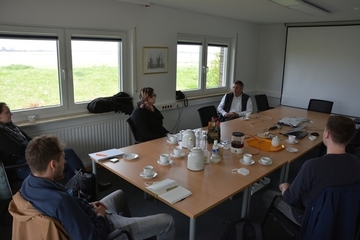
24,86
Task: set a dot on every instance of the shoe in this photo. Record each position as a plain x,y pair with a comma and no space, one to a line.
102,186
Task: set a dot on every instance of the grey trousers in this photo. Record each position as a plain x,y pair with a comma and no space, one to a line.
279,204
160,225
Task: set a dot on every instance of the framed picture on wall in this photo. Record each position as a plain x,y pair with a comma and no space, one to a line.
155,60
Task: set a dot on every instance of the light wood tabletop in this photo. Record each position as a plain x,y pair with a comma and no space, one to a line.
216,183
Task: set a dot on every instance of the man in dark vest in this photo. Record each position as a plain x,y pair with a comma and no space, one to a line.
235,104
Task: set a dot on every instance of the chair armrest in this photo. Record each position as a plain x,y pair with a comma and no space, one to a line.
117,232
15,165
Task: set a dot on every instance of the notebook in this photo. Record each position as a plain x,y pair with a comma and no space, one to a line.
292,121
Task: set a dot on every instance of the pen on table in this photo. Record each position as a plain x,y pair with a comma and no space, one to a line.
101,154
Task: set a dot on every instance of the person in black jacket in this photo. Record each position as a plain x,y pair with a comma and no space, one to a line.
235,104
147,119
13,142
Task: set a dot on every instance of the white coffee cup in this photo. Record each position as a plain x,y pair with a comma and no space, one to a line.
177,151
32,118
164,158
148,171
247,114
291,139
173,139
247,157
265,160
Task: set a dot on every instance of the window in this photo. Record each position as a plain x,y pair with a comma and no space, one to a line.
202,65
54,72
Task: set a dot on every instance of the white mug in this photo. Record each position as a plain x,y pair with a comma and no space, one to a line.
291,138
173,138
148,171
247,157
265,160
164,158
275,141
32,118
247,114
177,151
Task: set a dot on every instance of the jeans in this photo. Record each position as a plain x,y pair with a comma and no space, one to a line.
73,163
117,212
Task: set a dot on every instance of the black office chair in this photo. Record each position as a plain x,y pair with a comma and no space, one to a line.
262,102
206,113
133,129
319,105
333,215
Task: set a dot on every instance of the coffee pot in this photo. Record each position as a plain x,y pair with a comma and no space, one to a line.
195,160
186,135
237,142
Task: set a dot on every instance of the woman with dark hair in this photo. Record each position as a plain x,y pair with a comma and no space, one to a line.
147,119
13,142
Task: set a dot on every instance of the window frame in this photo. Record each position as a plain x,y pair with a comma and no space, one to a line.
67,104
205,41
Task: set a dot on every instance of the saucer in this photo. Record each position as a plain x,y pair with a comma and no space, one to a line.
169,162
268,163
180,156
172,142
289,149
250,163
287,140
143,176
130,156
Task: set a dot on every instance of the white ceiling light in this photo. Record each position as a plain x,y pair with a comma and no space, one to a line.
302,6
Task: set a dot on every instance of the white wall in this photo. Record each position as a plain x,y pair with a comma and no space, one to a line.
270,62
155,26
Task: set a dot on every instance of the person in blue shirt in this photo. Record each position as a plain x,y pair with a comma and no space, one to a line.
82,220
336,168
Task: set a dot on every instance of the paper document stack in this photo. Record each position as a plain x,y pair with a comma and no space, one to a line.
106,154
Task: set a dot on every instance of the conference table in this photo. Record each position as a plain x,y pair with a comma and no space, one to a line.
216,183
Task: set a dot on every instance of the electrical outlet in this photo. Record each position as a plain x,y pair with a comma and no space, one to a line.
166,106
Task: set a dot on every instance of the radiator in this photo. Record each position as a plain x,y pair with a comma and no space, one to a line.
92,137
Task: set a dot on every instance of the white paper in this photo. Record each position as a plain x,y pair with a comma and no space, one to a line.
98,156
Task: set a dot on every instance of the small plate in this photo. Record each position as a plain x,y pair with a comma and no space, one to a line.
287,140
180,156
143,176
268,136
290,149
169,162
172,142
251,162
268,163
312,138
130,156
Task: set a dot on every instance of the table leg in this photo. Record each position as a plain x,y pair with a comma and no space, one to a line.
287,169
246,202
192,229
94,172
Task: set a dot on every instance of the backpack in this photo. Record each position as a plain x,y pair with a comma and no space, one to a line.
244,229
82,185
120,102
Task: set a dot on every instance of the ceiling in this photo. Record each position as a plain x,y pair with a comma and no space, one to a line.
265,11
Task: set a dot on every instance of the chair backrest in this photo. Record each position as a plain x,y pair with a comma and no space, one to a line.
262,102
133,129
333,215
206,113
319,105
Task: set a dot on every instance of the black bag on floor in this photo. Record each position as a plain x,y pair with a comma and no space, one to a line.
244,229
82,185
